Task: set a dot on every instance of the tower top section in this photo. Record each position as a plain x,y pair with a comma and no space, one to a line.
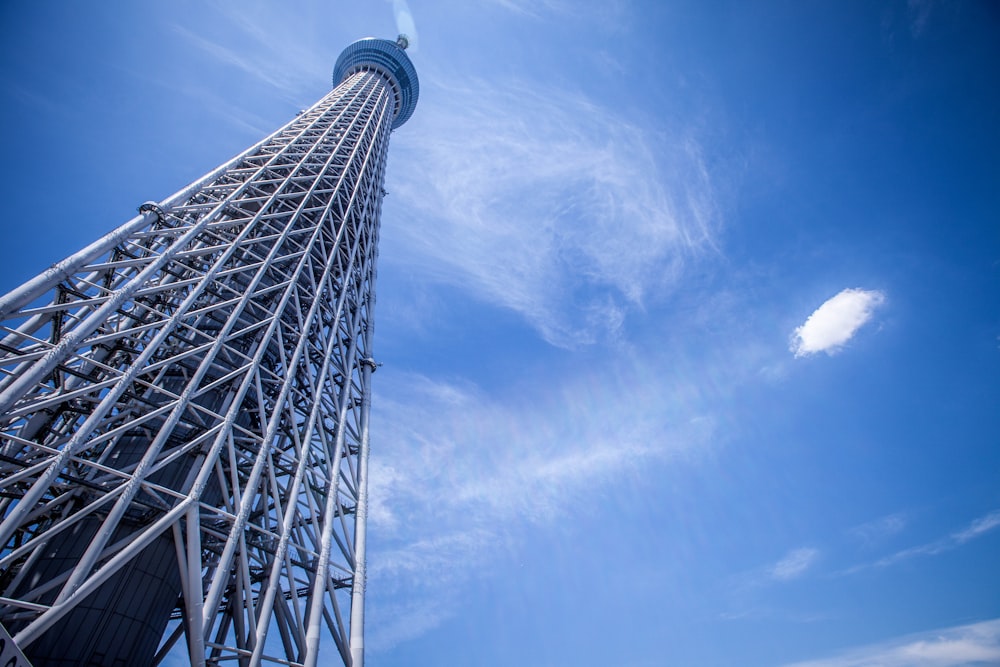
390,60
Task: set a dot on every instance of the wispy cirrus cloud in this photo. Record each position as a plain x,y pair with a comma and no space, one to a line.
545,203
919,14
242,60
975,645
212,101
746,590
283,50
450,447
459,474
532,8
835,322
602,15
794,564
876,531
980,526
975,529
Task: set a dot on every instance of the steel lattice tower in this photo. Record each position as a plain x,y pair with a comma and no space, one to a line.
184,406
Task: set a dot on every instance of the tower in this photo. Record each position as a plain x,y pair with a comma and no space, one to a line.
184,406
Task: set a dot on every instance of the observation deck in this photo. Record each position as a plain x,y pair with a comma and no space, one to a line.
390,60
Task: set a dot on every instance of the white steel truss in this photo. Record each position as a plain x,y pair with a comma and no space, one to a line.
184,412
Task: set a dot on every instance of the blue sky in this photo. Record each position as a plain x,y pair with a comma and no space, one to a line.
689,311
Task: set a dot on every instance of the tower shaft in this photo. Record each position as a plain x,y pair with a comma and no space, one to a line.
184,410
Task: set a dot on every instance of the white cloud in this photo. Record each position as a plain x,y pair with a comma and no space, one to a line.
459,475
747,586
533,7
793,565
449,447
544,203
972,645
919,12
980,526
288,51
879,530
405,24
976,528
834,323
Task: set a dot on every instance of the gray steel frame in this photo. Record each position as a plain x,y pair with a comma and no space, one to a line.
229,327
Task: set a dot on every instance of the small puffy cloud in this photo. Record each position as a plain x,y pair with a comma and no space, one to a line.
835,322
794,565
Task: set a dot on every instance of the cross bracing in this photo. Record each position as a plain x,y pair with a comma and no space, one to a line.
184,412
